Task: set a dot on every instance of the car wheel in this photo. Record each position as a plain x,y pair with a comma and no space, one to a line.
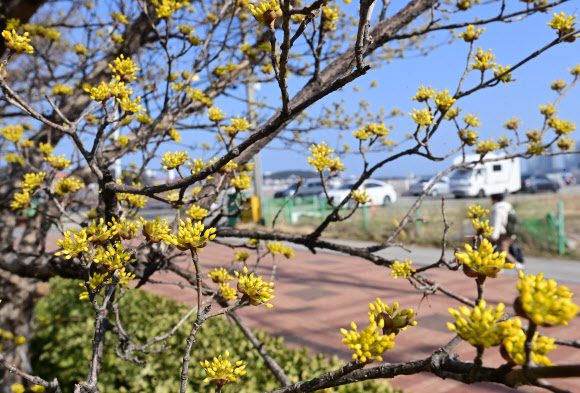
387,201
481,194
434,193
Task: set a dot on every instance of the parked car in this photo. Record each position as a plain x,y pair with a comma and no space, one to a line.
309,188
439,188
380,192
536,183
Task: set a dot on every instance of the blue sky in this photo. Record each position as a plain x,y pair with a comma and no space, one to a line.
442,69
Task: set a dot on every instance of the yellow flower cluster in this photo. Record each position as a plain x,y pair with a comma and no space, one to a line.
215,114
470,34
32,181
257,291
476,211
17,43
241,256
113,256
369,343
12,132
329,18
361,197
564,24
124,229
175,160
227,292
544,302
238,125
424,94
95,280
190,236
443,100
68,185
478,327
242,181
483,60
124,69
402,269
62,90
222,371
74,243
278,248
482,227
500,70
370,130
472,120
322,158
45,148
59,162
514,344
220,275
198,95
484,147
423,117
167,7
132,200
485,261
21,200
197,213
155,230
468,137
395,319
561,127
266,12
384,324
566,143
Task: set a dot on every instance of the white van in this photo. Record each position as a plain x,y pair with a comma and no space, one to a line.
488,178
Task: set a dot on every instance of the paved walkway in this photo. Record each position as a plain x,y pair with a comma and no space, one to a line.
318,294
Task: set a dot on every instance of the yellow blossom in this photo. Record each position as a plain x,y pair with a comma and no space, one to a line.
443,100
175,135
191,236
322,158
485,261
166,8
17,388
544,302
155,230
565,143
119,17
219,275
514,344
500,70
402,269
222,371
21,200
129,106
476,211
561,127
32,181
68,185
424,94
59,163
278,248
423,117
242,181
74,243
390,319
266,12
241,256
361,197
99,93
12,132
215,114
472,120
124,69
226,292
61,89
478,327
485,147
113,256
45,148
482,227
470,34
564,24
123,140
175,160
483,60
257,291
17,43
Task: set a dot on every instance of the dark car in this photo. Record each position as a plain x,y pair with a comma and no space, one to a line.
309,188
538,183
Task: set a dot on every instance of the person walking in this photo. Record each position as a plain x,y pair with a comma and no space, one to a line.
503,237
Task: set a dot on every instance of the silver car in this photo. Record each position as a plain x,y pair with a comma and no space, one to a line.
440,188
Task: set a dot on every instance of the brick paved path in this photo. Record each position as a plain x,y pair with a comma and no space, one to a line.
318,294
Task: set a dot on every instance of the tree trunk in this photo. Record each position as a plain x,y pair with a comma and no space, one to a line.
19,296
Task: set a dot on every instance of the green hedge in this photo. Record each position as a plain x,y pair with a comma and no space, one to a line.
64,329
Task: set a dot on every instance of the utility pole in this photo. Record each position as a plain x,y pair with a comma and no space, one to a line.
257,179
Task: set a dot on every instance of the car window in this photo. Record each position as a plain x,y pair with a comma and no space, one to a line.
372,185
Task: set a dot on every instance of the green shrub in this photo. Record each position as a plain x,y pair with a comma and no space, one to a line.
64,329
